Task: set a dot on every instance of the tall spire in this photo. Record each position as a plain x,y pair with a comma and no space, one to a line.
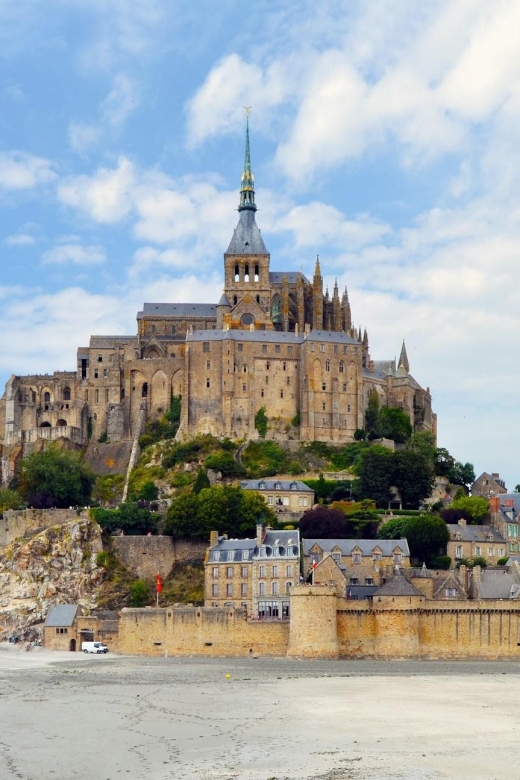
247,181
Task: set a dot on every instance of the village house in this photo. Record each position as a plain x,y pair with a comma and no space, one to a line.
66,628
475,541
505,517
362,561
283,496
254,574
488,485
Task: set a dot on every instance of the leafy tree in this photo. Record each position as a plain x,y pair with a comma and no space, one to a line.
424,442
376,474
323,523
55,477
148,492
225,463
138,594
394,423
130,517
350,456
479,560
261,421
462,474
426,535
9,499
372,415
108,488
201,482
182,521
413,476
475,506
517,489
360,434
444,463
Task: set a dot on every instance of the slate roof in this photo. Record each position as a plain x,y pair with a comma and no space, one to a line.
61,615
260,336
269,484
178,310
360,591
247,239
474,533
496,584
277,277
510,505
336,336
397,585
110,342
234,548
366,546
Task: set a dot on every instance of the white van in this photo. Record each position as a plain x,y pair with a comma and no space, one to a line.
94,647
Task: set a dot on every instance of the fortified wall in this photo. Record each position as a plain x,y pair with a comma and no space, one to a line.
17,522
147,555
323,625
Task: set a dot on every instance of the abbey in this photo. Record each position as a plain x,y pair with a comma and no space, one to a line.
274,340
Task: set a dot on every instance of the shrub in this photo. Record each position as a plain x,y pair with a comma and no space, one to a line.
479,560
261,421
502,561
104,437
440,562
138,594
148,492
101,558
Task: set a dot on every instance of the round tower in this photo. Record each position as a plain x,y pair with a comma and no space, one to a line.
313,627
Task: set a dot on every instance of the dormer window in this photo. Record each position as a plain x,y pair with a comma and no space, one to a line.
277,485
261,485
293,486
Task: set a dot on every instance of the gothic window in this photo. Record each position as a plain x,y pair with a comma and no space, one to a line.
237,274
246,273
258,299
153,328
327,365
257,277
235,300
267,366
240,347
66,394
205,346
244,369
173,330
208,365
47,398
341,367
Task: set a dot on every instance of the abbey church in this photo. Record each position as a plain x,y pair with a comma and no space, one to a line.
274,340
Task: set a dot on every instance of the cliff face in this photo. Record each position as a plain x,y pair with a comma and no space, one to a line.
55,566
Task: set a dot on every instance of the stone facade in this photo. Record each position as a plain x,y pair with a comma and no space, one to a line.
288,498
472,541
147,555
275,340
362,561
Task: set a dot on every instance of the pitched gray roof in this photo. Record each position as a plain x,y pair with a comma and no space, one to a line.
260,336
247,239
336,336
233,549
397,585
496,584
475,533
275,484
367,546
61,615
277,277
110,342
178,310
282,538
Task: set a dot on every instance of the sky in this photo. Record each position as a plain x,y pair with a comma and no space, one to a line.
384,137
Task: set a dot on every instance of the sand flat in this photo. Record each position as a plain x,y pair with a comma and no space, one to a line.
70,716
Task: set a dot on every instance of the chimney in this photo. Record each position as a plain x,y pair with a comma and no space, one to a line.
463,577
260,534
494,504
462,522
213,538
477,574
307,328
296,329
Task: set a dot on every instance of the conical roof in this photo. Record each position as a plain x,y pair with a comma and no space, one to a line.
247,239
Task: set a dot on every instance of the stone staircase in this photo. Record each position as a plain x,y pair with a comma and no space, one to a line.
134,455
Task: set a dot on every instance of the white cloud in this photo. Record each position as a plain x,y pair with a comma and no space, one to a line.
19,239
121,100
82,135
106,197
23,171
14,92
74,254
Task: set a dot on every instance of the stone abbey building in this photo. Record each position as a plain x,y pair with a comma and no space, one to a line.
273,340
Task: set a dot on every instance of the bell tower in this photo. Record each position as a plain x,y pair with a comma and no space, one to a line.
246,261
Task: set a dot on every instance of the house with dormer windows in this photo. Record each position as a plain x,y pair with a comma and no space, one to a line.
362,561
285,497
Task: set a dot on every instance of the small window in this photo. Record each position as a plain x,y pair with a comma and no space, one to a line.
244,388
96,394
322,347
105,372
240,347
327,365
341,367
264,348
205,346
214,589
107,392
208,365
243,589
369,580
100,359
208,382
267,366
335,349
324,386
281,393
153,328
215,572
277,348
173,330
243,572
353,581
356,557
245,555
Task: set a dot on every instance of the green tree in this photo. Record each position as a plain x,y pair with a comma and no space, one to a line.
182,518
55,477
201,482
476,506
9,499
372,415
427,535
138,594
225,463
462,474
375,475
413,476
108,489
148,491
424,442
130,517
261,421
393,423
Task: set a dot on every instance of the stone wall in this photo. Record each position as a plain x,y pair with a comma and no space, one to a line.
147,555
17,522
181,631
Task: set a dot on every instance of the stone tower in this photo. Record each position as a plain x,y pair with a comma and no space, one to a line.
246,261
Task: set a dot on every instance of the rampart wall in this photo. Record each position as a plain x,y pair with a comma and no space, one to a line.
17,522
147,555
182,631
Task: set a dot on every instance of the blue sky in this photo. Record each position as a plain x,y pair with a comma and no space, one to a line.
384,137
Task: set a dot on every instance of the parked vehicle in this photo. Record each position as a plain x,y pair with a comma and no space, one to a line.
94,647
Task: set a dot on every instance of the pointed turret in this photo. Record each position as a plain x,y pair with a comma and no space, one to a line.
336,309
403,359
317,297
347,316
365,338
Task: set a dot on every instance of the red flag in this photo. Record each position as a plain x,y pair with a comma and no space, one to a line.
158,585
314,564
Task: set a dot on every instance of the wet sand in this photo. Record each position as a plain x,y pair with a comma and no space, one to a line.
67,716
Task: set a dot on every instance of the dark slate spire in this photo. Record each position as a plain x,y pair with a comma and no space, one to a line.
247,181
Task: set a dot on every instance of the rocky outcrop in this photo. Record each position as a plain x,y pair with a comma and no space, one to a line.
56,566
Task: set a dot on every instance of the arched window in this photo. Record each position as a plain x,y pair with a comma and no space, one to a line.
341,367
257,273
257,298
246,273
237,273
45,425
47,398
327,365
244,368
61,424
144,390
173,330
66,394
235,300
